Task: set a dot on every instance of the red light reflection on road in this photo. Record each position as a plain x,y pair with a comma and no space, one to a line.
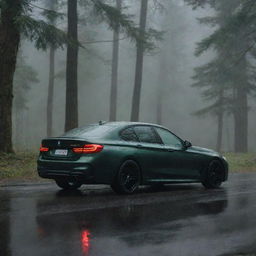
85,241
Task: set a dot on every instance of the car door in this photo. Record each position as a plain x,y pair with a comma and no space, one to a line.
149,153
177,162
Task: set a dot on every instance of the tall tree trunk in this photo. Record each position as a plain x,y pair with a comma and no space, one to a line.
9,44
50,90
227,134
220,131
51,5
114,75
162,81
18,130
139,63
159,114
220,122
241,121
71,120
241,108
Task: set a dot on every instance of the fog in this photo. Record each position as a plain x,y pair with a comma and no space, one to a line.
168,68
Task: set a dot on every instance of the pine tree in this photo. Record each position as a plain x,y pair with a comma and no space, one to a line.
171,59
139,63
71,120
114,18
9,43
227,78
52,6
16,19
114,75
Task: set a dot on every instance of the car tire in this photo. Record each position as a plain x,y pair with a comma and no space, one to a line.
214,175
66,184
127,179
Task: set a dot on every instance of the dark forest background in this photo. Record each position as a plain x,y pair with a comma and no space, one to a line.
188,65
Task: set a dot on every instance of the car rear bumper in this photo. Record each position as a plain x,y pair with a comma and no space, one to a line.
54,170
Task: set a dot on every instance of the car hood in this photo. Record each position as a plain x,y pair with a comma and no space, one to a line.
204,151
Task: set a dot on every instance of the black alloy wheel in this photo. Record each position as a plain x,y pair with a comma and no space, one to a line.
214,175
128,178
68,184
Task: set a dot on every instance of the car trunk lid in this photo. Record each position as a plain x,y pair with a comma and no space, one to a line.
62,148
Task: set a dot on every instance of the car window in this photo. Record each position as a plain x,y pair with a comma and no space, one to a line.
169,139
129,135
146,134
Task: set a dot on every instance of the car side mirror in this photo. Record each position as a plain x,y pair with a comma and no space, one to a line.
187,144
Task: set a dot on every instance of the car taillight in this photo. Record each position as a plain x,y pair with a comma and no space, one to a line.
44,149
87,149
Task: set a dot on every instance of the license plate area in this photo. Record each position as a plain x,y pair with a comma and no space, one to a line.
61,152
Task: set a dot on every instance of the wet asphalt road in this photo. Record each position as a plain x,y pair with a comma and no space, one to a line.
175,220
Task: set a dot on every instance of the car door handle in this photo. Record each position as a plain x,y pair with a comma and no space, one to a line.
138,146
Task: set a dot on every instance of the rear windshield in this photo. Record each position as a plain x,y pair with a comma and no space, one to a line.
97,131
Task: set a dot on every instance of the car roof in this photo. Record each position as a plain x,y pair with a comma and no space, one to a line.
127,123
106,130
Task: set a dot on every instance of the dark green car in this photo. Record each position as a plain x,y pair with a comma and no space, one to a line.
126,155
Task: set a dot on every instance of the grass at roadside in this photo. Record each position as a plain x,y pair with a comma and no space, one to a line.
241,162
22,166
